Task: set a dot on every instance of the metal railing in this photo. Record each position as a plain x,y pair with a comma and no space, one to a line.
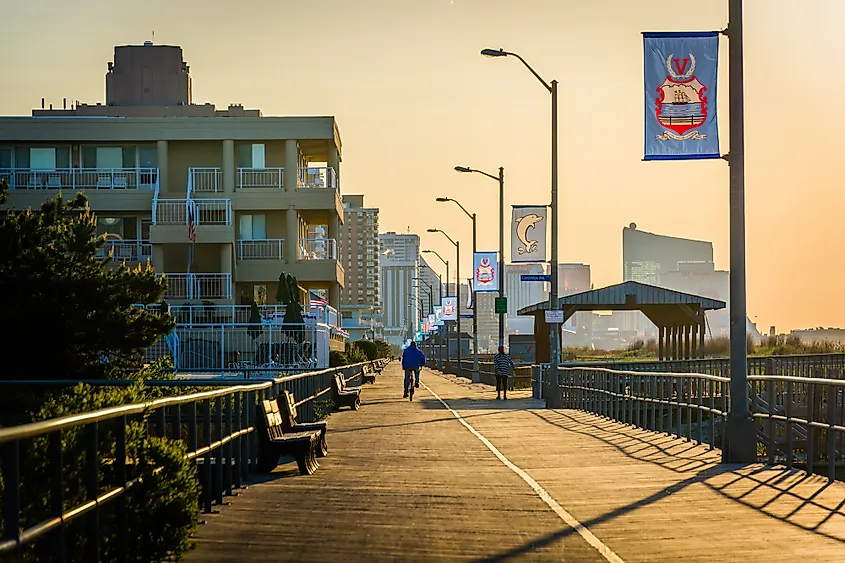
188,315
205,180
799,419
131,250
218,428
283,347
261,249
206,211
802,365
318,249
318,178
198,286
273,177
80,178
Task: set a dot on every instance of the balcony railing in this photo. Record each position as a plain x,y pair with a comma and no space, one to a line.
318,249
318,178
261,249
206,211
199,286
261,178
205,180
81,178
130,250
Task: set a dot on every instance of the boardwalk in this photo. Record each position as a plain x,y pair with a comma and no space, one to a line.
409,482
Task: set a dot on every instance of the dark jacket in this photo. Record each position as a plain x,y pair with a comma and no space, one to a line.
412,358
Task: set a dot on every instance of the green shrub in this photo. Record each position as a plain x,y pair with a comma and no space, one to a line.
368,348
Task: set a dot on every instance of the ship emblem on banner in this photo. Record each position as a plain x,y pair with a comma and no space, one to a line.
528,233
450,309
680,95
486,272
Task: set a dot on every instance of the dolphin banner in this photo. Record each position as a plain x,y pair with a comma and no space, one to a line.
486,272
528,233
680,95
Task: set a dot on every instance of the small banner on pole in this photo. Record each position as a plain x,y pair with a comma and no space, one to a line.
470,292
528,233
680,95
449,308
486,272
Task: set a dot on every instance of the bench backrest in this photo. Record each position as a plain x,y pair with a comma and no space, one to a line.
288,410
338,381
272,418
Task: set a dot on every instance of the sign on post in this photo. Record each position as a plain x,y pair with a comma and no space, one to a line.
501,305
535,277
554,316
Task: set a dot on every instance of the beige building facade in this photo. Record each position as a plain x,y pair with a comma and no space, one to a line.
262,193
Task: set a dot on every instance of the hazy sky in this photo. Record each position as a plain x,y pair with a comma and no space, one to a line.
413,98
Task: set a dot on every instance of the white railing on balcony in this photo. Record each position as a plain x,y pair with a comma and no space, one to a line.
189,315
273,177
205,180
81,178
320,177
206,211
130,250
318,249
261,249
198,286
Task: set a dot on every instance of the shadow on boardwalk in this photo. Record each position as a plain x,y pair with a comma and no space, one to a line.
790,496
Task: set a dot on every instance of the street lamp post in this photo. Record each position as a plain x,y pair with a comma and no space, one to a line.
476,377
501,180
446,263
553,398
457,288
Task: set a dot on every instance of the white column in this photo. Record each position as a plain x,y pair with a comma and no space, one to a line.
163,168
291,235
228,171
291,164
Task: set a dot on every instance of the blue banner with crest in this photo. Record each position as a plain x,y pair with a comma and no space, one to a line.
680,95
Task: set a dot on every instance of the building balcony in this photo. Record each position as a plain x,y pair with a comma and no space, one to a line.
198,287
318,249
81,178
213,220
126,250
270,178
205,180
317,178
261,249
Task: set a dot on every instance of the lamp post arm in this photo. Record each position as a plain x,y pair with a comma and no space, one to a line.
545,84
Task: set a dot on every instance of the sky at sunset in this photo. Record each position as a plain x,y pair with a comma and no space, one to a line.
413,98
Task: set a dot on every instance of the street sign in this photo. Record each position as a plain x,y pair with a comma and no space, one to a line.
554,317
466,315
501,305
535,277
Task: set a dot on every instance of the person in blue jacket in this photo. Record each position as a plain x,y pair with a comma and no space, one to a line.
412,361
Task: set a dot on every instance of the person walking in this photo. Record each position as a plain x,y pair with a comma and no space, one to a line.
412,361
502,363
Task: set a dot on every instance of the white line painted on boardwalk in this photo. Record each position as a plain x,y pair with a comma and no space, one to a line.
570,520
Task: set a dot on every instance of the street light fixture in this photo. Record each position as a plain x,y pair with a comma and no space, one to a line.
553,398
476,377
446,335
501,179
457,286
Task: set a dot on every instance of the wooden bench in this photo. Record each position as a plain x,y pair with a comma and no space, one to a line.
287,406
369,375
274,442
343,395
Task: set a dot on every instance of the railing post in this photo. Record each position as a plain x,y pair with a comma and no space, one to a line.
57,492
811,432
218,451
92,489
120,475
229,400
770,423
788,405
206,465
831,433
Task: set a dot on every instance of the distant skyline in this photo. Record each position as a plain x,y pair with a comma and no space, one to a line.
413,98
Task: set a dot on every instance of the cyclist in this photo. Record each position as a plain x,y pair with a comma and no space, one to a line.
412,361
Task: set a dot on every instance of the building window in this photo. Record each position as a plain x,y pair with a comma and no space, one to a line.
259,294
253,227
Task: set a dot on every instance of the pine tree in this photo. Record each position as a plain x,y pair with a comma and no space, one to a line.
67,313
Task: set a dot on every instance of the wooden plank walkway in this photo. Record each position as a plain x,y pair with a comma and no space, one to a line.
409,482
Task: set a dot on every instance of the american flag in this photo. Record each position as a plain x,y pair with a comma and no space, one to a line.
317,301
192,232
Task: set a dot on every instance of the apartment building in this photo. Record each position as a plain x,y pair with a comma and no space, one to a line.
359,254
221,201
401,303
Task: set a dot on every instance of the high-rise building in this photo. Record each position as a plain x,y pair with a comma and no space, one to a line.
573,278
359,253
431,283
521,294
257,196
401,303
647,256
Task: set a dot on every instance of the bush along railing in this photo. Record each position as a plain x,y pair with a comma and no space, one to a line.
800,420
127,482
